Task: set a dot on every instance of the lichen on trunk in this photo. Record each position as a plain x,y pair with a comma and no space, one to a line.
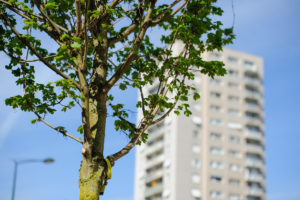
90,179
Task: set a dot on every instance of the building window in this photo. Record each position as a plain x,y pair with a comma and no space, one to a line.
234,125
215,94
196,178
233,85
232,111
233,98
216,122
196,193
232,72
216,179
231,59
195,134
197,120
216,195
215,108
234,167
215,150
153,90
196,148
234,154
253,198
197,106
215,55
249,65
234,139
215,136
234,197
216,165
234,182
215,81
196,163
166,194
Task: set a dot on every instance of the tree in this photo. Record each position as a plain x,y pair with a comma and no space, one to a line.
102,44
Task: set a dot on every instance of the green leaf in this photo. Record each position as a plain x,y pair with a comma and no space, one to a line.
76,45
33,121
196,96
64,36
79,129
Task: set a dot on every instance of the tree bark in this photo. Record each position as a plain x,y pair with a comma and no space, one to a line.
90,179
92,170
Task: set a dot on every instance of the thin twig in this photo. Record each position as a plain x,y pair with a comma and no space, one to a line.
136,45
122,118
159,20
34,51
26,60
57,129
85,23
21,9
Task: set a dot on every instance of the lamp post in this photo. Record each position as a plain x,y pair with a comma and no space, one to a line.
17,163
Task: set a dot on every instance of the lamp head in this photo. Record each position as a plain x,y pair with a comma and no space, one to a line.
48,160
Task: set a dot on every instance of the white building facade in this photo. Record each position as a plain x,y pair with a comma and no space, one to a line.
219,151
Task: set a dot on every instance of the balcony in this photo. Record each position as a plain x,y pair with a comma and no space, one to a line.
255,191
257,149
250,67
253,107
256,135
155,147
256,82
255,163
254,120
154,190
254,177
156,160
155,134
154,175
253,94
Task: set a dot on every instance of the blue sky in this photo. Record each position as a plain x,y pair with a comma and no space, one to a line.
268,28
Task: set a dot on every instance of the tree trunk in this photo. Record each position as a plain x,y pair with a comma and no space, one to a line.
90,179
93,164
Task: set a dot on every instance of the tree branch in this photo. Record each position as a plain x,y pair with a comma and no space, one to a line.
33,50
173,106
56,128
122,118
51,33
131,28
56,26
136,45
147,120
78,17
26,60
143,100
115,3
19,8
142,128
159,20
167,9
87,3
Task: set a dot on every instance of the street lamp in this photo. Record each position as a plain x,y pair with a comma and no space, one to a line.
17,163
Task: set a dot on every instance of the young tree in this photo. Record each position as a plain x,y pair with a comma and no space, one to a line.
102,44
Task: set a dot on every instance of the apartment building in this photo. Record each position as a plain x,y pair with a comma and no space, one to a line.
219,151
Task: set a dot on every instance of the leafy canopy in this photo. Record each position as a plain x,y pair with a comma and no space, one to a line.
100,44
